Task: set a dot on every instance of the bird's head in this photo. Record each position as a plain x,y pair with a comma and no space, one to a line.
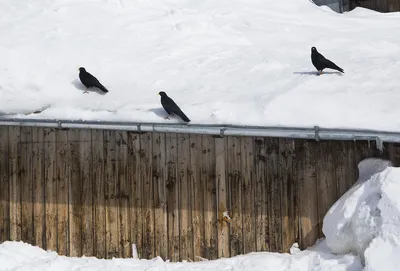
82,69
162,94
313,49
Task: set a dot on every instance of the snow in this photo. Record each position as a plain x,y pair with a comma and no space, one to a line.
366,220
243,62
20,256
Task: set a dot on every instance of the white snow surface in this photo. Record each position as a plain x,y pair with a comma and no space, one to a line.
244,62
18,256
366,220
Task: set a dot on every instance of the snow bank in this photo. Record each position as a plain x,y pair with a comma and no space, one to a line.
241,62
20,256
366,220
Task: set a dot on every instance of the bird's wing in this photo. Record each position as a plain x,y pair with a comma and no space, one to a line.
329,64
93,80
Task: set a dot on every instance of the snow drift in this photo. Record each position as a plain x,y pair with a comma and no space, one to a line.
366,220
227,62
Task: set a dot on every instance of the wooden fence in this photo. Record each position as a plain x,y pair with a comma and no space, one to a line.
378,5
97,192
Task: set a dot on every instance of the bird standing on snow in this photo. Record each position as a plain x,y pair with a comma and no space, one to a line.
171,107
320,62
89,80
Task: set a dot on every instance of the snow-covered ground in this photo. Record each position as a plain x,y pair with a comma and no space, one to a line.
362,232
225,62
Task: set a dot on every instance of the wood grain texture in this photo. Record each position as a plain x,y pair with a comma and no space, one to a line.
50,179
4,186
63,190
97,192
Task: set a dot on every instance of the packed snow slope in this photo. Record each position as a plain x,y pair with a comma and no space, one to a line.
223,62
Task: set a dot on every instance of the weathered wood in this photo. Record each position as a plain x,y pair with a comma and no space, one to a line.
208,175
160,200
62,191
345,166
111,202
222,199
15,183
4,186
87,195
197,199
147,191
136,185
307,200
287,174
248,190
50,177
76,182
326,180
38,179
99,193
185,191
124,189
25,180
235,195
172,197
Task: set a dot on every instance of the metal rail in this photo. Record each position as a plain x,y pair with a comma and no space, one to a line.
316,133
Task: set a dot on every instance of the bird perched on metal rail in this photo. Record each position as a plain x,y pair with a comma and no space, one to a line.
90,81
321,63
171,107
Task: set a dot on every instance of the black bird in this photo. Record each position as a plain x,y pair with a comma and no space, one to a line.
320,62
171,107
90,81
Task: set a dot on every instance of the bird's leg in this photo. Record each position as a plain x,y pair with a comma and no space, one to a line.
167,117
85,92
320,72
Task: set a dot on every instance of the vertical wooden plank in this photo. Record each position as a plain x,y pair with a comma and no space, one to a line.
222,199
260,203
210,198
87,191
4,186
185,192
307,200
38,179
124,188
235,196
249,231
394,153
160,201
173,197
287,174
136,185
15,183
345,166
99,193
50,178
197,199
62,175
112,219
75,193
25,169
148,203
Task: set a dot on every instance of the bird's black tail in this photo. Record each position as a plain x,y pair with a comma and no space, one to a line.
336,67
102,88
183,117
